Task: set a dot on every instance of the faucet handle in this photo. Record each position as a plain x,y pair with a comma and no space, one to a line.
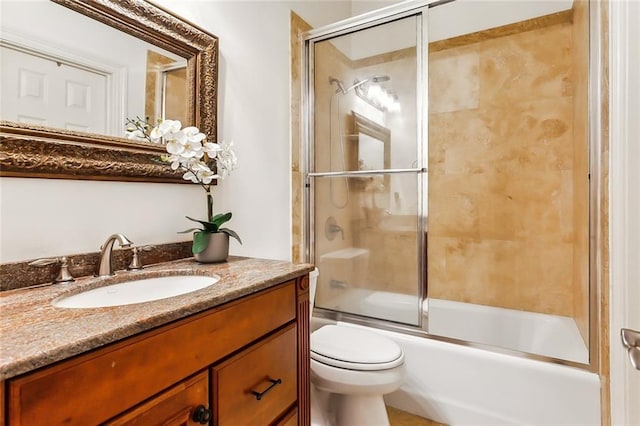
64,276
331,228
136,263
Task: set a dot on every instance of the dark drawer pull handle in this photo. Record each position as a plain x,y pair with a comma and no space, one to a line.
201,415
273,384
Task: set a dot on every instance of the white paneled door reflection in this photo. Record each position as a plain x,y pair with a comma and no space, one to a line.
46,92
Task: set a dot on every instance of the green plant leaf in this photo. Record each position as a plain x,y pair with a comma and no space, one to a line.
189,230
200,242
208,226
231,233
219,219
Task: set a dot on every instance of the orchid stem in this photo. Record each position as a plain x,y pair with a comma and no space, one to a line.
209,205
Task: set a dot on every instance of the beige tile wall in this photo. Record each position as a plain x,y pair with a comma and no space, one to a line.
176,95
502,182
155,60
297,27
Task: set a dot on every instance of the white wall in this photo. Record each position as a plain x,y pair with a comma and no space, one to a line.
53,217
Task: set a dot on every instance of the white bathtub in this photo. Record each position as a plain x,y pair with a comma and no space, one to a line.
459,385
549,335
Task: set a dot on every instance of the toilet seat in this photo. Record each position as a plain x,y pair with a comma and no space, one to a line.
354,349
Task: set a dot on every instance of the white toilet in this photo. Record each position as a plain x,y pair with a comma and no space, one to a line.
351,369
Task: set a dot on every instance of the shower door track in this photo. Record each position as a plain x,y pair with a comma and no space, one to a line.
366,172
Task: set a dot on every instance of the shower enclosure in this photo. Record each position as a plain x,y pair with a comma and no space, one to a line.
447,174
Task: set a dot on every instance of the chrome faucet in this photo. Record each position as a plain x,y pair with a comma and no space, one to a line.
105,268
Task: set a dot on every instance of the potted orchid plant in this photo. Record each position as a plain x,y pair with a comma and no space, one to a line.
188,151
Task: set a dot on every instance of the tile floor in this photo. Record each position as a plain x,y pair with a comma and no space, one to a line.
402,418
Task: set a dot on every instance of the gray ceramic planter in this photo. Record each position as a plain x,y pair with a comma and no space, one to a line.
217,250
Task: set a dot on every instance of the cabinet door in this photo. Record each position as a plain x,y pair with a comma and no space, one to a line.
184,404
258,385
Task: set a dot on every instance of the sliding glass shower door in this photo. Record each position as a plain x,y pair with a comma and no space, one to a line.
365,175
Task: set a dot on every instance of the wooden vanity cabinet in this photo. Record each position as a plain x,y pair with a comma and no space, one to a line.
243,363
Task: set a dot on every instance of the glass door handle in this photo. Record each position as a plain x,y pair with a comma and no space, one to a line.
631,341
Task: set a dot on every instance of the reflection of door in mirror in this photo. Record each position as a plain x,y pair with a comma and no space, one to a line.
92,85
46,89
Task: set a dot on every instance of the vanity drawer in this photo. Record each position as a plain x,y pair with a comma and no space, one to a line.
175,406
257,385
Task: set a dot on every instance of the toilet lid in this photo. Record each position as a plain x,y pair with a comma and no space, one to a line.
354,349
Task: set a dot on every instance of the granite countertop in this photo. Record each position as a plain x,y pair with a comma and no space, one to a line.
33,333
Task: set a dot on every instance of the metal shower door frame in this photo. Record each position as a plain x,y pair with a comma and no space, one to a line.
349,26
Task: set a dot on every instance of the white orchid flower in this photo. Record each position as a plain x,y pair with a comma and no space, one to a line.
175,147
193,134
198,172
194,169
186,149
206,176
165,130
211,149
135,134
227,160
192,149
190,176
155,134
177,136
170,126
194,164
175,160
177,144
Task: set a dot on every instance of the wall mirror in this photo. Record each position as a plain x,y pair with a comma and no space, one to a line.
371,149
136,60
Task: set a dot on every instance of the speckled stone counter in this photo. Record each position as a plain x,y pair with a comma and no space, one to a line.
33,333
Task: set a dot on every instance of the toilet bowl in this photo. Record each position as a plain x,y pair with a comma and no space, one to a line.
351,370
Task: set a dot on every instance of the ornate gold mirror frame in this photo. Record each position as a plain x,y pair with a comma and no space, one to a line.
33,151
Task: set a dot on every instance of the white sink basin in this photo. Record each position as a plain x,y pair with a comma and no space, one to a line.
137,291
